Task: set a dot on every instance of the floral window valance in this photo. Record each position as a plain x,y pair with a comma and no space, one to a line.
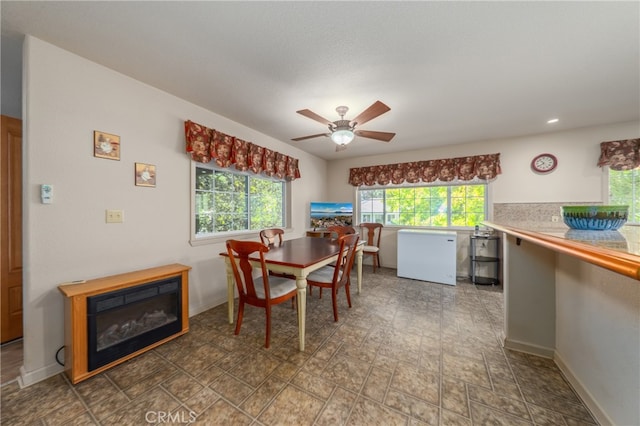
445,170
620,155
204,145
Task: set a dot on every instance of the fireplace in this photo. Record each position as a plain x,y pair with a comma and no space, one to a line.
124,321
112,319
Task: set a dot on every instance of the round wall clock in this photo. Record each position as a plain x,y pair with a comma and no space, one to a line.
544,163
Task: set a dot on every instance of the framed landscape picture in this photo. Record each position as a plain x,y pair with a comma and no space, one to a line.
145,174
106,145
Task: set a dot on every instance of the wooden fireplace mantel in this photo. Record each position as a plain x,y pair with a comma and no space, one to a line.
75,311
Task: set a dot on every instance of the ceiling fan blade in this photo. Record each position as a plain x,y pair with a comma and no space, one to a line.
378,108
310,137
312,115
340,148
381,136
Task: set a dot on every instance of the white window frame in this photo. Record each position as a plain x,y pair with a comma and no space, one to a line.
219,237
487,201
606,194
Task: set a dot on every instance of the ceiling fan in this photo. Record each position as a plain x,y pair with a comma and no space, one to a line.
342,131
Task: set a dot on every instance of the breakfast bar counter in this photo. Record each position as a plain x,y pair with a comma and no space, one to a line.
618,251
574,296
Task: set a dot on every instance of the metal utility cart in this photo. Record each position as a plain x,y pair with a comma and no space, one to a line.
485,259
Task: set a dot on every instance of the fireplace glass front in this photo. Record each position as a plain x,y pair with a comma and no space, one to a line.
124,321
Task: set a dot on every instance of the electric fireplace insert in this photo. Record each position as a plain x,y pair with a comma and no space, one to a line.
124,321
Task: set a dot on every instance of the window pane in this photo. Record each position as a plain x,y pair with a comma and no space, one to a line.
233,201
204,202
459,205
223,181
240,222
204,179
224,222
467,205
204,223
423,208
266,204
624,189
224,202
372,206
240,184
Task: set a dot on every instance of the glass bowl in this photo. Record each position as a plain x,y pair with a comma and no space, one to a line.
597,218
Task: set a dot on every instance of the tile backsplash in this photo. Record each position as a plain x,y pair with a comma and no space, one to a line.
531,214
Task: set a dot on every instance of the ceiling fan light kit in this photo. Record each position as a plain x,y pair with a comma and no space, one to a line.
342,132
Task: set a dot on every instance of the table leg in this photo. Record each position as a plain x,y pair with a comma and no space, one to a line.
229,290
301,283
359,269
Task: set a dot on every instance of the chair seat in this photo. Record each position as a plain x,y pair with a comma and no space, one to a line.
371,249
323,275
278,286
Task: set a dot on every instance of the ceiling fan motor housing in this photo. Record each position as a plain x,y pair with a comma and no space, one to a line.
341,125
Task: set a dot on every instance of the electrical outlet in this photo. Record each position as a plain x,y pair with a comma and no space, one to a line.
555,218
115,216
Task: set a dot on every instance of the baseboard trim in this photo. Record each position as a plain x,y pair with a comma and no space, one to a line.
529,348
193,311
28,378
585,395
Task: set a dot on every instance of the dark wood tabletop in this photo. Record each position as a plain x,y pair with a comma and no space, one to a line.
300,252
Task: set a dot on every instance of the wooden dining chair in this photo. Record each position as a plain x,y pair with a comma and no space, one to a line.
271,236
337,231
338,276
372,231
340,230
264,291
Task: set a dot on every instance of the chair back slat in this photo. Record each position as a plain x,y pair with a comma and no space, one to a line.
348,244
373,231
271,236
242,268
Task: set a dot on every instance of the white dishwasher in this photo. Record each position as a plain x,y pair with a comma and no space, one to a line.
427,255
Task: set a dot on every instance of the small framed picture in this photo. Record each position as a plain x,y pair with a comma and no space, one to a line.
145,174
106,145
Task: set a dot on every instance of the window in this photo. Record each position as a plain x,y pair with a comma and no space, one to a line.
439,206
226,201
624,189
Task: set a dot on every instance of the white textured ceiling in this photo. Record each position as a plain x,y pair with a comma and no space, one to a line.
452,72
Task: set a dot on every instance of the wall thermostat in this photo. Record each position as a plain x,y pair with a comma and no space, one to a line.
46,193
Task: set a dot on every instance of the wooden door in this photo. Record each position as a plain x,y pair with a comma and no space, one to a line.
11,229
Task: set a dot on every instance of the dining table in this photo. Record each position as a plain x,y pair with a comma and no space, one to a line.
298,257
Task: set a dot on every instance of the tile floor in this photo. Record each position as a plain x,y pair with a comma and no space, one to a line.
407,353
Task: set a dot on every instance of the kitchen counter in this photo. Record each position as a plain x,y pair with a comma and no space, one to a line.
617,251
573,296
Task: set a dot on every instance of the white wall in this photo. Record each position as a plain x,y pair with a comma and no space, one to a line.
66,98
576,179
